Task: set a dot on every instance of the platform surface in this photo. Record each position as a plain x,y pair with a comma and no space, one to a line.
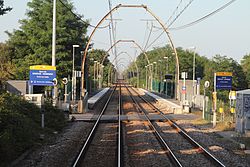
97,97
160,98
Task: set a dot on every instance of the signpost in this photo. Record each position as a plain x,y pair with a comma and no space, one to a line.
222,80
184,101
206,85
42,75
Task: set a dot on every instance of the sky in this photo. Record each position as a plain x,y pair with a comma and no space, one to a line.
225,33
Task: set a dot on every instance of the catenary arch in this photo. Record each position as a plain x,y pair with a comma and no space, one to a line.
116,58
157,19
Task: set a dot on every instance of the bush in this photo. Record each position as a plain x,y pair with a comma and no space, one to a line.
54,118
20,123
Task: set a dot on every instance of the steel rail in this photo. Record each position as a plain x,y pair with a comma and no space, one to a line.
183,133
172,156
92,132
119,147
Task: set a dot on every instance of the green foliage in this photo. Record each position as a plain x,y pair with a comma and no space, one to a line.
32,44
224,64
58,121
99,56
204,67
4,10
7,69
245,63
20,125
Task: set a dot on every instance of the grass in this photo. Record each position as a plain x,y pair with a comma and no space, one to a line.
226,125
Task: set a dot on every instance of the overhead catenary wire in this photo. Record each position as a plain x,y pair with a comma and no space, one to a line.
110,38
190,2
204,17
177,7
80,17
145,34
149,35
113,31
181,12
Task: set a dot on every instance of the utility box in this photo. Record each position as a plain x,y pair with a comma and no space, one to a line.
243,111
37,99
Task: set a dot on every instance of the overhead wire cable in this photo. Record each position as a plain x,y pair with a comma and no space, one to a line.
110,38
180,13
149,35
177,7
113,31
145,34
190,2
80,18
172,15
204,17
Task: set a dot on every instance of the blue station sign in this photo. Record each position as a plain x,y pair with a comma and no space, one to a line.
42,75
224,80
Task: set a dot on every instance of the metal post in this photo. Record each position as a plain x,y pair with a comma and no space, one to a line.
72,80
94,73
54,35
138,79
215,102
184,85
146,76
97,73
54,49
42,115
73,73
101,80
193,97
203,107
151,78
65,93
155,73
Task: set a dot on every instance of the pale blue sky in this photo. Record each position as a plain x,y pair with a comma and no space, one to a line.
225,33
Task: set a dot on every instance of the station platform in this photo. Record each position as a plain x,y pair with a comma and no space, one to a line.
89,117
172,106
94,99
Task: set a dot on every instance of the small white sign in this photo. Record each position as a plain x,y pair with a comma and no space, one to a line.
184,75
206,84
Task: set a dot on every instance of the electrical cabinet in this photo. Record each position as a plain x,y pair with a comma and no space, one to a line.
243,111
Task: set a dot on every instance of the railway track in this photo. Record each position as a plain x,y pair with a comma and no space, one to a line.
182,149
104,139
171,146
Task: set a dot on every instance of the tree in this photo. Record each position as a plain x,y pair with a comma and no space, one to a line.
7,69
245,64
98,55
225,64
31,44
4,10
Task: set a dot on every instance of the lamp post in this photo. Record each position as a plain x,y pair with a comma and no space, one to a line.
95,73
165,57
53,59
73,73
101,80
155,74
160,75
151,76
193,91
146,76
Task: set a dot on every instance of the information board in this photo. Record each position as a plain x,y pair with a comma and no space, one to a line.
42,75
224,80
